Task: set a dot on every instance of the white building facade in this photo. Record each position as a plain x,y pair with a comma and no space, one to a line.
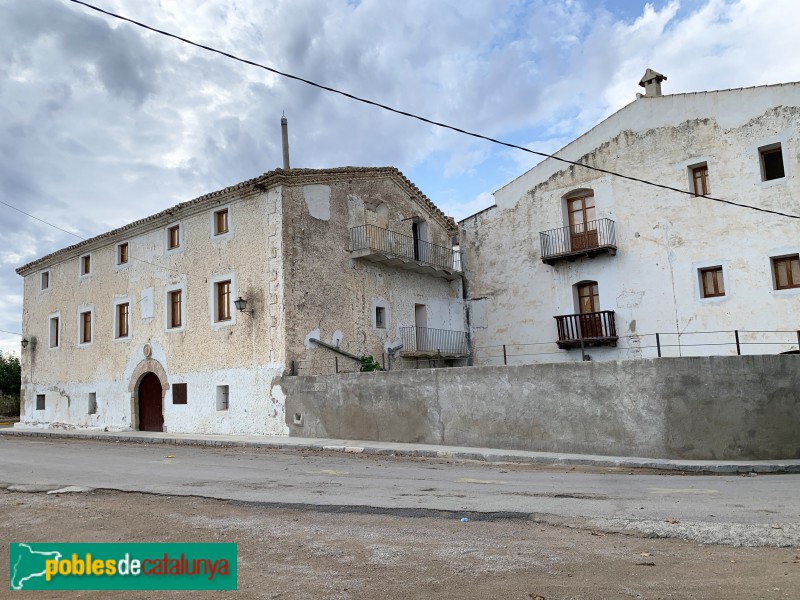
138,328
576,264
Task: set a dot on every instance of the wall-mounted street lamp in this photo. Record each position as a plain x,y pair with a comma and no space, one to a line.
26,342
241,305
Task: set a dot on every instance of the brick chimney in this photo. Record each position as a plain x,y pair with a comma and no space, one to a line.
651,82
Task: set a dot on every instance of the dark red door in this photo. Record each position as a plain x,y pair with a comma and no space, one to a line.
151,417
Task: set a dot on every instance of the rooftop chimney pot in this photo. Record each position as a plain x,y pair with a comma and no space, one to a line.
651,82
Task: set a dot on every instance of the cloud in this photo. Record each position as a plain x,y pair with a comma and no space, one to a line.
102,123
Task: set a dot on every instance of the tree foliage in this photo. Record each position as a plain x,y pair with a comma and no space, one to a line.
10,374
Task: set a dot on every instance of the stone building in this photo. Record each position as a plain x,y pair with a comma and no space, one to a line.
141,327
573,263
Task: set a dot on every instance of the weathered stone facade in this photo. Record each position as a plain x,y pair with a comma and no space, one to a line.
663,238
285,249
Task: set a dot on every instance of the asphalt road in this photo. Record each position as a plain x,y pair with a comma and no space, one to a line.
761,510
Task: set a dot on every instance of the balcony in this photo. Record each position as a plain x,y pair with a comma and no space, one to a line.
422,342
576,241
375,244
587,329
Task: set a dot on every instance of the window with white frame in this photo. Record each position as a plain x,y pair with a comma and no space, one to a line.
85,325
175,304
44,281
122,319
85,263
54,330
122,254
221,221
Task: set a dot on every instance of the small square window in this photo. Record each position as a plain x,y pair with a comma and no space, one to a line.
221,222
700,180
179,395
86,264
122,253
54,332
39,401
123,320
223,300
222,397
786,270
771,162
712,284
174,309
86,327
174,237
380,317
45,281
92,408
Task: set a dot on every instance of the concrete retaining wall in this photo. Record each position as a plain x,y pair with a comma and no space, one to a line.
743,407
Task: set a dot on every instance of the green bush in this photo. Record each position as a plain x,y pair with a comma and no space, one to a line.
9,406
368,364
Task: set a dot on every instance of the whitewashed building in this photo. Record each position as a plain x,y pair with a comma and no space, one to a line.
572,262
139,328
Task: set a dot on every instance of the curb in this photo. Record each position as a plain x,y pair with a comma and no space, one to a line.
789,466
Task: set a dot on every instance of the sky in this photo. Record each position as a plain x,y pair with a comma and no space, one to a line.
103,123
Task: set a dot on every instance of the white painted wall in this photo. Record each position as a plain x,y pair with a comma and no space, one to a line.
663,237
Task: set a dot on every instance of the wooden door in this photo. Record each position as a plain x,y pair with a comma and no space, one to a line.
582,222
151,415
589,307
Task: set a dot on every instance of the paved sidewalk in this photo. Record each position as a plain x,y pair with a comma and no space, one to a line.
411,450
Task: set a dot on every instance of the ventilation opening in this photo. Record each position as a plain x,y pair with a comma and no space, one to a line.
92,403
298,419
39,401
380,317
222,397
771,162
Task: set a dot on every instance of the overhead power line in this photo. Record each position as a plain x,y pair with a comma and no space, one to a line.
11,332
421,118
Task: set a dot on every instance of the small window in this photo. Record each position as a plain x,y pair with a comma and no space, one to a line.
786,270
712,283
45,281
221,222
174,308
380,317
122,254
39,401
223,297
123,320
174,237
222,397
86,264
86,327
179,393
771,162
92,409
54,331
700,180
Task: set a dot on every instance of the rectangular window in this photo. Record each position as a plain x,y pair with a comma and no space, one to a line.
223,295
221,222
86,327
86,264
380,317
174,237
92,408
787,272
54,332
122,254
39,401
771,162
712,283
175,306
700,180
123,320
45,283
222,397
179,393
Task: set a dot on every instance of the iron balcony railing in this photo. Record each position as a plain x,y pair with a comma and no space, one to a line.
422,340
578,238
587,327
370,237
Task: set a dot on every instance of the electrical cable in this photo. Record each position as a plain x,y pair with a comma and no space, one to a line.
421,118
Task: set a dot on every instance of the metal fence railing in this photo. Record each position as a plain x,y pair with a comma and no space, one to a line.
578,238
434,341
370,237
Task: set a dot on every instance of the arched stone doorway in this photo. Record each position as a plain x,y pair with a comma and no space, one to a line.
149,366
151,410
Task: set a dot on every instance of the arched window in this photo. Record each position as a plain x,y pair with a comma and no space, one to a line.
582,219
